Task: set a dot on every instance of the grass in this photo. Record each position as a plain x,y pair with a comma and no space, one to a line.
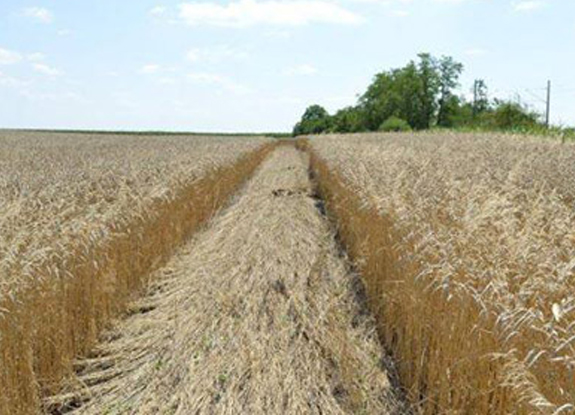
466,246
562,134
84,220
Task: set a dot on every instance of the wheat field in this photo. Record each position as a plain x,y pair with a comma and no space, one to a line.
467,247
83,218
258,315
424,273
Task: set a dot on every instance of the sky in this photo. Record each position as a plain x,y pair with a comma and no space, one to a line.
255,65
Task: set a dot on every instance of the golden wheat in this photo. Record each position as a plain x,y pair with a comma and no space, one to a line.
83,218
257,315
467,245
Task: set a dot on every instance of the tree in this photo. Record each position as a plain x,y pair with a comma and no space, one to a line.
461,113
481,102
430,84
420,93
315,120
410,97
511,115
449,72
348,120
375,102
402,93
455,112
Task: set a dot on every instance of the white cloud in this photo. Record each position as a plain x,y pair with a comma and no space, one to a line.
167,81
46,69
528,5
64,32
36,56
39,13
303,70
244,13
217,80
400,13
215,54
279,34
64,96
387,3
8,81
8,57
206,78
158,11
150,69
400,4
194,55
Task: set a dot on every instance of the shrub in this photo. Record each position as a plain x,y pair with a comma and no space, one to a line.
315,120
511,115
394,123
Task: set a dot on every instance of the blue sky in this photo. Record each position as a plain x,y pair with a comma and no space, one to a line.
254,65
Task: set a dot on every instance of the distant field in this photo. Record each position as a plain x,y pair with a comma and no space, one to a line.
467,246
155,133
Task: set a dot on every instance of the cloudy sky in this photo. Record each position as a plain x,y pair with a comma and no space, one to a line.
254,65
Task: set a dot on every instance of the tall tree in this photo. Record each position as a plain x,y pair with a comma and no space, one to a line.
410,98
399,93
348,120
430,84
481,101
375,102
449,72
420,93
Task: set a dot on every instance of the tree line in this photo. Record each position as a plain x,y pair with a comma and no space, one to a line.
419,96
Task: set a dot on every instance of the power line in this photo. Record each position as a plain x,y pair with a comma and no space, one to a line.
563,91
535,96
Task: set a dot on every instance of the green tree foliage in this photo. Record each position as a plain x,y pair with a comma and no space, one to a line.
481,103
430,84
394,123
348,120
416,93
410,93
513,115
315,120
422,95
494,115
449,72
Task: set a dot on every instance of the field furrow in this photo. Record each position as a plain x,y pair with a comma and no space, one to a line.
258,314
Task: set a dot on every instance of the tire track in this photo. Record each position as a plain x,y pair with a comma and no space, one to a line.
257,314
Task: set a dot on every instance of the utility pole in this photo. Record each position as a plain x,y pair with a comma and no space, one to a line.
547,112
